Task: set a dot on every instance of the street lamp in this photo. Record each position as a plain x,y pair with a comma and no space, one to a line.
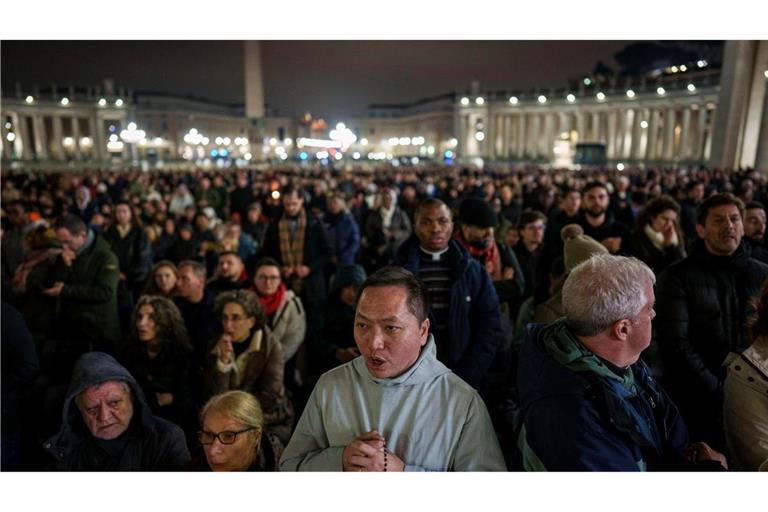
132,135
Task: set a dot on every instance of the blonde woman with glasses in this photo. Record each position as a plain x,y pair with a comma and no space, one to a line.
233,436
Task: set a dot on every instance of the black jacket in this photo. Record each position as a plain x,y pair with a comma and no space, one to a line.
702,304
151,443
133,253
317,254
641,247
171,371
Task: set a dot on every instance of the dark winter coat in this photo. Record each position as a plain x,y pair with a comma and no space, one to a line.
474,327
579,415
171,371
702,305
641,247
134,255
343,237
88,301
152,443
317,254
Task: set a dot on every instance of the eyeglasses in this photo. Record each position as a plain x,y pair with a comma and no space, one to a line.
235,319
226,437
268,278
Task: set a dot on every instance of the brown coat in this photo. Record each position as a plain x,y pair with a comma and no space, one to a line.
259,371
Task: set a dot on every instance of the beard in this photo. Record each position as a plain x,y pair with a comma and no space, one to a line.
480,244
596,212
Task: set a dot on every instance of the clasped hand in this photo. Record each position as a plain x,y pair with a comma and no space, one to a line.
368,452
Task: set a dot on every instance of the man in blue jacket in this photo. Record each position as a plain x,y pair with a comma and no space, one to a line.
589,402
464,315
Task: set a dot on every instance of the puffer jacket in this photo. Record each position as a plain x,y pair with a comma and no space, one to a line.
153,444
702,305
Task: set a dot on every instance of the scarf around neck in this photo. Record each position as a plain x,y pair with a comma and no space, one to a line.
292,250
489,256
272,302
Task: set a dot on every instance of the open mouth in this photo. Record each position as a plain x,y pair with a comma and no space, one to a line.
376,362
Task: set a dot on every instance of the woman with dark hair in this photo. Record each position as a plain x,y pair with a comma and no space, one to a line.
163,280
233,436
247,357
130,244
657,240
159,356
745,408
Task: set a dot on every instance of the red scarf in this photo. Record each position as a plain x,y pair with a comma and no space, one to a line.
490,255
273,302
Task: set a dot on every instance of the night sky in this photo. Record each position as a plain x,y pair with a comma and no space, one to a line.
328,78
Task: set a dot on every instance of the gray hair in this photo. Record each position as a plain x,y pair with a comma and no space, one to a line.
603,290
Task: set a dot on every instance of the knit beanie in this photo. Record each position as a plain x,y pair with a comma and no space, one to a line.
578,247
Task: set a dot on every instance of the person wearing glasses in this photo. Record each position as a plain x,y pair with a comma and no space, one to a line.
283,309
233,437
247,357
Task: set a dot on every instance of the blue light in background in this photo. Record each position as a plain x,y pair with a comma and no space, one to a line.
303,155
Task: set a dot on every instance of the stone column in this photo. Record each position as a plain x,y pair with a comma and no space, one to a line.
761,158
490,134
76,137
635,149
520,149
581,126
685,135
22,137
734,138
548,139
595,127
611,148
669,134
507,125
653,134
625,133
57,150
98,147
7,146
41,143
702,133
533,136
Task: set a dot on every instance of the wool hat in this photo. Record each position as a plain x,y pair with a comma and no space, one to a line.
476,212
348,274
578,247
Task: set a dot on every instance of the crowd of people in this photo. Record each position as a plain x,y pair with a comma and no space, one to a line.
396,318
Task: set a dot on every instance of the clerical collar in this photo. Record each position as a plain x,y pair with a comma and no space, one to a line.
436,256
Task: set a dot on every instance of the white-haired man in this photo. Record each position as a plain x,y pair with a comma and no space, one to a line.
589,402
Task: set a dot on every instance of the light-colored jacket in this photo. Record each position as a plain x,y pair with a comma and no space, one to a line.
745,408
430,418
290,324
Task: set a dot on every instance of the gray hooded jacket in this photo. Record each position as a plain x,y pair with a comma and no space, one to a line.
430,418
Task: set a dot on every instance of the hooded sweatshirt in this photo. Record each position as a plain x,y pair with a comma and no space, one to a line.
149,444
429,417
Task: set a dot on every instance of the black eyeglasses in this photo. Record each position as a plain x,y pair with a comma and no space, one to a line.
226,437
